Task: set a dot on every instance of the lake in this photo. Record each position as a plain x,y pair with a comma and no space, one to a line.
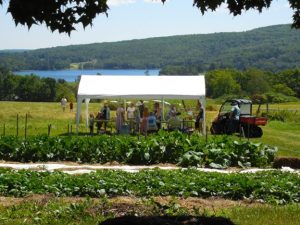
71,75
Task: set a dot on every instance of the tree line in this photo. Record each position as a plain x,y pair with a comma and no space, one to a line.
34,88
273,48
258,85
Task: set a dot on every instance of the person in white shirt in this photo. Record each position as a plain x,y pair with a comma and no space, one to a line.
63,103
130,116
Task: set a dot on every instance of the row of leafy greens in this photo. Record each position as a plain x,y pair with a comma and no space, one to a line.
271,186
163,147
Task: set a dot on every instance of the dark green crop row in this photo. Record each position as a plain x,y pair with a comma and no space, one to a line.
272,186
164,147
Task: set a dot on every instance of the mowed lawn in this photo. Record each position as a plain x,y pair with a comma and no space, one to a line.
284,135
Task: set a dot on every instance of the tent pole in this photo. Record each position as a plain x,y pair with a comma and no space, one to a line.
79,100
204,115
87,100
163,109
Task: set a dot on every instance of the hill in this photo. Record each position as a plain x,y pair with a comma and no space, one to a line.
271,48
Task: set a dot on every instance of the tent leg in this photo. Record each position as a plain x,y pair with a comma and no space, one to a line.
79,101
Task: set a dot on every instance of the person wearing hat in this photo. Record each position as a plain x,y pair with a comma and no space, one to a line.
234,116
105,115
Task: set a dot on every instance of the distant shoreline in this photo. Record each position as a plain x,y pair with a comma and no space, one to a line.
71,75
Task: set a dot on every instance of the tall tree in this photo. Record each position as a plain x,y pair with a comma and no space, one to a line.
63,15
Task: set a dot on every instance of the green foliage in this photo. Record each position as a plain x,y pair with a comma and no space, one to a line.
285,116
272,187
261,86
164,147
220,83
33,88
272,48
274,97
63,16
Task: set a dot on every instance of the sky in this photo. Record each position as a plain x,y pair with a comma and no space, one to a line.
139,19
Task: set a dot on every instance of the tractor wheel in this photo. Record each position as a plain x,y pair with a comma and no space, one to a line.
247,132
256,131
252,132
215,129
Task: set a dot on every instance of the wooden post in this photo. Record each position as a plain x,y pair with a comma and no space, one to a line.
49,129
17,124
206,134
26,118
267,108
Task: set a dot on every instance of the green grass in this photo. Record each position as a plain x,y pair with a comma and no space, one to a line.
59,211
265,215
286,136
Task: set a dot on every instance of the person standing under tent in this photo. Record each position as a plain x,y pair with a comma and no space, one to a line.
91,123
105,115
141,108
120,118
130,116
137,117
157,114
144,123
199,117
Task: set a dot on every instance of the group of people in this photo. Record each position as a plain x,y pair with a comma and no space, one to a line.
138,118
175,123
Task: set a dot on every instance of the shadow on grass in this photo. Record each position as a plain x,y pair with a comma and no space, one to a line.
167,220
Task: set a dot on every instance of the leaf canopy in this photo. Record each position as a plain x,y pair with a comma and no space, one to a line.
64,15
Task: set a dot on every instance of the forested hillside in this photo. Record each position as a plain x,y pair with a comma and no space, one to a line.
271,48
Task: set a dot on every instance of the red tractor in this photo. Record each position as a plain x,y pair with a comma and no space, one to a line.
247,124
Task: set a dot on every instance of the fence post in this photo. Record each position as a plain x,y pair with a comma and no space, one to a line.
267,108
206,135
49,129
17,124
26,117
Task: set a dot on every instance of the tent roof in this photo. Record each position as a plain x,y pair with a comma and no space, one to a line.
141,87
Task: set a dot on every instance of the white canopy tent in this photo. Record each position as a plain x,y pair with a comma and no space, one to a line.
139,87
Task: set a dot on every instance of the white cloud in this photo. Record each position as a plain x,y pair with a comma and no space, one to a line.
120,2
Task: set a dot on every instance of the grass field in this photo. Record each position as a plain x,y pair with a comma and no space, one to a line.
61,211
284,135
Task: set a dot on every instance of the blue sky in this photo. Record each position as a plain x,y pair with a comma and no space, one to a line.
137,19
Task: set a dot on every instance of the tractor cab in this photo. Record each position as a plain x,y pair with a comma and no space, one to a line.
247,123
244,105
